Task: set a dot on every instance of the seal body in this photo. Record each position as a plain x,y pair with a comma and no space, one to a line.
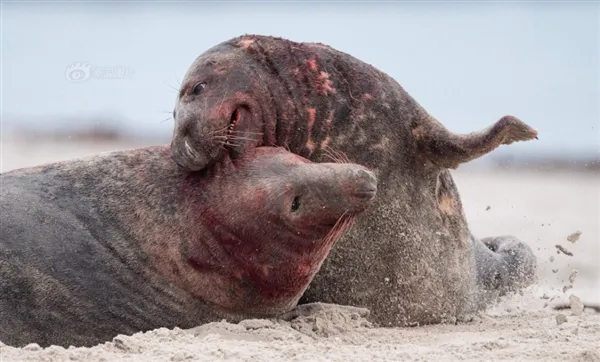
127,242
411,258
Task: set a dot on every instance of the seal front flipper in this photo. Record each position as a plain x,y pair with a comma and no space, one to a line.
448,150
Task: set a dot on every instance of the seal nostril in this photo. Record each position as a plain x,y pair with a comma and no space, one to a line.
174,114
367,176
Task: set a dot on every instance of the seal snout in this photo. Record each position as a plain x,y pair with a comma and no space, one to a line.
368,177
186,156
366,184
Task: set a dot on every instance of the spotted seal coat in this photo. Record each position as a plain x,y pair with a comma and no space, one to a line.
411,258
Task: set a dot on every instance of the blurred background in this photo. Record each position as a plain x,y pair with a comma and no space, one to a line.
80,78
468,64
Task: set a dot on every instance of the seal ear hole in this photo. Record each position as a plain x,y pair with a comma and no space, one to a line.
295,204
198,88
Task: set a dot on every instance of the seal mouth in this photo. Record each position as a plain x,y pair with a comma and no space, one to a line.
230,137
233,121
236,133
366,193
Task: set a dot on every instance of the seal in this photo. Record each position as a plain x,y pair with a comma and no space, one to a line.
127,242
411,258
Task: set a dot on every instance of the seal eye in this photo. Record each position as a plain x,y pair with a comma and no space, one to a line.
296,203
198,88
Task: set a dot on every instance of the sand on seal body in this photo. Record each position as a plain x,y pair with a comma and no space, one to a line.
411,258
126,242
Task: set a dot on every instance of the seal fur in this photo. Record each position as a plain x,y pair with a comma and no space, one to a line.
411,258
127,242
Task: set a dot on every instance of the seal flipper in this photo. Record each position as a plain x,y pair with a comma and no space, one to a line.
504,264
448,150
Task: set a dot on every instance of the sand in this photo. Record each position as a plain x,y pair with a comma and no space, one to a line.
543,208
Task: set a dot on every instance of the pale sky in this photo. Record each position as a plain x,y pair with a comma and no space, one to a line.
467,64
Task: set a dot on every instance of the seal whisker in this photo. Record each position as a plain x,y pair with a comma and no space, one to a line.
233,141
348,223
166,119
346,157
335,230
335,157
247,132
238,138
328,154
220,130
337,226
341,155
338,230
170,86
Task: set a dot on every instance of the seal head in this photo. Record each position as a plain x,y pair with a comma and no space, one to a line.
219,108
275,218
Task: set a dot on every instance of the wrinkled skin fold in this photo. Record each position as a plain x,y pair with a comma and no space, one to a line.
126,242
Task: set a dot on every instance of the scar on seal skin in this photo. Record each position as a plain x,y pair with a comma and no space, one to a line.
411,258
127,242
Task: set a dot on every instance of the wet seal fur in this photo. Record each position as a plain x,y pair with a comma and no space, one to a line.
126,242
411,258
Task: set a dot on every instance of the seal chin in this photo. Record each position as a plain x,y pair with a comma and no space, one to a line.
366,194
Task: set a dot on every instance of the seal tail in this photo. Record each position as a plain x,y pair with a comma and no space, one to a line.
448,150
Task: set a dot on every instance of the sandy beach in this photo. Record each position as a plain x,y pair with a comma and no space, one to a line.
541,208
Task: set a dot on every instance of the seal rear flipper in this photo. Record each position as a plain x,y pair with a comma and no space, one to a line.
448,150
506,266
